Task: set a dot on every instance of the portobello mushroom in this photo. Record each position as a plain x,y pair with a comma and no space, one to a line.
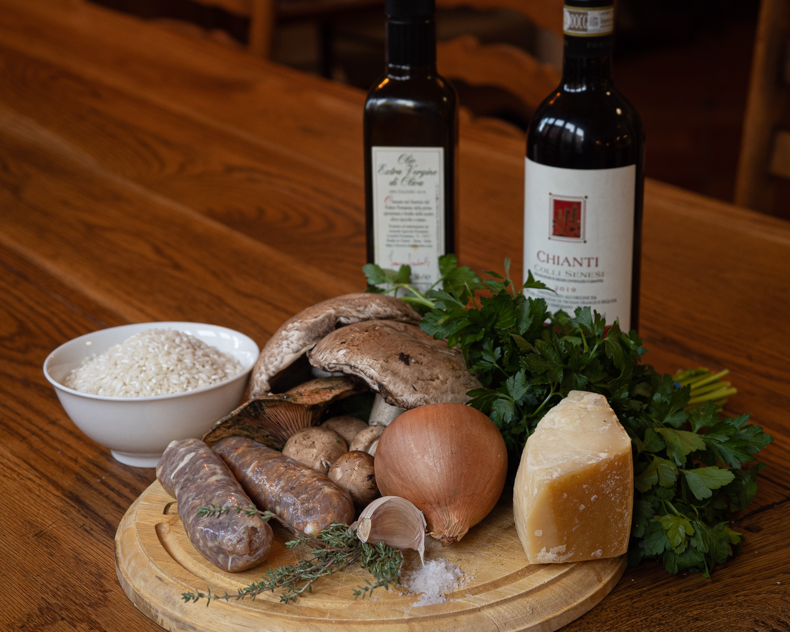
402,363
281,364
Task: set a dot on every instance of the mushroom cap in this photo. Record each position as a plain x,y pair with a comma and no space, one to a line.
346,426
316,448
365,439
303,330
405,365
273,419
355,473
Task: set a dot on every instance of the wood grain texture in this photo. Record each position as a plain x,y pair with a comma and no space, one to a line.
501,591
249,186
146,176
62,495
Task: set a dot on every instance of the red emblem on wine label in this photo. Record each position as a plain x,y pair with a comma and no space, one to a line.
567,218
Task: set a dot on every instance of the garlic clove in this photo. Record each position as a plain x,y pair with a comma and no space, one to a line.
394,521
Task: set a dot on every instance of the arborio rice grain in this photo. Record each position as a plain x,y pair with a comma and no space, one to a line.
153,362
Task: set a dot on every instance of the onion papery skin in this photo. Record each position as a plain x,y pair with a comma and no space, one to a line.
449,460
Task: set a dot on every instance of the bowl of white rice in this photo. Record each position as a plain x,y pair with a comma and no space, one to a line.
136,388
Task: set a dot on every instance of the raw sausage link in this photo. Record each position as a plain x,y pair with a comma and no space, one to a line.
304,500
195,476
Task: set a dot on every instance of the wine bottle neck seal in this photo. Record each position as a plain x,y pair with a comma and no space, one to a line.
584,21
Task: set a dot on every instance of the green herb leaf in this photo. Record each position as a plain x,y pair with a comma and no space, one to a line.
677,529
681,443
656,541
703,479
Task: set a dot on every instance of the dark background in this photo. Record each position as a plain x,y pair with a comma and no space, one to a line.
684,64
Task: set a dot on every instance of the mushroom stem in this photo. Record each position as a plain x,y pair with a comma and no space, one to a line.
383,413
316,372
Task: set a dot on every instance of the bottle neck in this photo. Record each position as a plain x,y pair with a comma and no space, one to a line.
411,47
587,63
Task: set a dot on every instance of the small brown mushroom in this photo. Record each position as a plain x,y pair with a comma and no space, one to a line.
354,472
405,365
365,439
346,426
280,364
316,448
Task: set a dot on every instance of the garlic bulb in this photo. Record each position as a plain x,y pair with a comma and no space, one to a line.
394,521
449,460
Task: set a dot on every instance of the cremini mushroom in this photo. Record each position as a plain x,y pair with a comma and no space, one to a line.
365,439
346,426
272,419
316,448
406,366
281,364
354,472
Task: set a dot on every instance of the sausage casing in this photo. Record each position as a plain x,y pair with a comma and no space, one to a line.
303,500
195,476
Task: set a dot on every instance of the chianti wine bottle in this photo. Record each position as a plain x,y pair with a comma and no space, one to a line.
411,139
584,179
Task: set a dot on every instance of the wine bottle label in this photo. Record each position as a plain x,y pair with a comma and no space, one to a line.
579,237
588,21
408,210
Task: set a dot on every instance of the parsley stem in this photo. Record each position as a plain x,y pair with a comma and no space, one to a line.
418,297
584,340
543,403
715,395
708,388
698,381
672,507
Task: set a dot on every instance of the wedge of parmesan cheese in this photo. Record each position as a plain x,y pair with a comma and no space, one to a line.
574,490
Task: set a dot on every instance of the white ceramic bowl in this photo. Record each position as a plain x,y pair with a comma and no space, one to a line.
138,429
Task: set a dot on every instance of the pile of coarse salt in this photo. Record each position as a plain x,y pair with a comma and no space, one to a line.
433,581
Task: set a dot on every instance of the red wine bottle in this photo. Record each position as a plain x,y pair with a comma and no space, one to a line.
584,179
411,144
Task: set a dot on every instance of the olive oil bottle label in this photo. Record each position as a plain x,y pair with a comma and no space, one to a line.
579,237
408,210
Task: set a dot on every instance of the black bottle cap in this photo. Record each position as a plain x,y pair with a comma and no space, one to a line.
410,8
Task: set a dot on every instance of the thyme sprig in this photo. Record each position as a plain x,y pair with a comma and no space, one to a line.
217,510
333,549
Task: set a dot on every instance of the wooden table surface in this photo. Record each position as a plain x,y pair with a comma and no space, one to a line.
144,176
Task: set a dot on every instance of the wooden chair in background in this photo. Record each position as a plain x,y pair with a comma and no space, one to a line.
503,66
260,14
765,146
497,65
264,15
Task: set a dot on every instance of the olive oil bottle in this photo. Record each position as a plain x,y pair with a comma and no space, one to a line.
411,144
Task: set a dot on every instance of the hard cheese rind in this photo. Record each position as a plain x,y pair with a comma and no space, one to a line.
574,490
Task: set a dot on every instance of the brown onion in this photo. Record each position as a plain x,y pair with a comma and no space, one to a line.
449,460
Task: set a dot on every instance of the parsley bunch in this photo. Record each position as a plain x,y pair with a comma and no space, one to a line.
692,465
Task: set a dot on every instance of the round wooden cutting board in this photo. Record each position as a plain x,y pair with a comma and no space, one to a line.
156,564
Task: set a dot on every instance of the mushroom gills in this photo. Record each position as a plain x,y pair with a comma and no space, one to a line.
273,419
